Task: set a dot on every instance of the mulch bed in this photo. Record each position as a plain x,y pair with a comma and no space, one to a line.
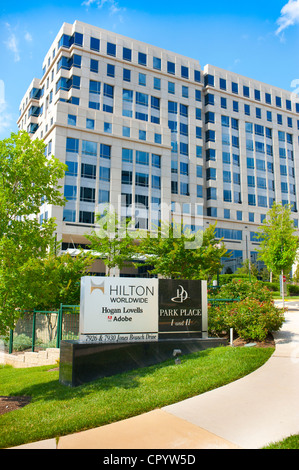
12,403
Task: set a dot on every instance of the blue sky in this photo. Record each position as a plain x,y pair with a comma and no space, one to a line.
258,39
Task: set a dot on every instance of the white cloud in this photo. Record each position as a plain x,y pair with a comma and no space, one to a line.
289,15
28,37
12,44
5,117
112,5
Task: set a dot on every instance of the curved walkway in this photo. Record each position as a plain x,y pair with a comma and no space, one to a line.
249,413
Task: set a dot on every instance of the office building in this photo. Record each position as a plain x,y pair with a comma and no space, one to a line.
151,126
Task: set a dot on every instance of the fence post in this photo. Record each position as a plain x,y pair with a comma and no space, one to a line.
33,329
10,341
59,326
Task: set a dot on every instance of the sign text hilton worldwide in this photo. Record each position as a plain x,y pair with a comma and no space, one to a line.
131,294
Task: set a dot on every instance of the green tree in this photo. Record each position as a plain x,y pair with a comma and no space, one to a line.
278,241
248,268
27,179
55,278
177,253
111,241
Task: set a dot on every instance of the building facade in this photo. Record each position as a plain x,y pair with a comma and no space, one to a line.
156,136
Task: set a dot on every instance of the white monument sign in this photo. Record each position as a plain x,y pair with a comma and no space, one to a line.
115,309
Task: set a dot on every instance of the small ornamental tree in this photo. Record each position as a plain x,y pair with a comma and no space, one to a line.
179,254
111,241
278,241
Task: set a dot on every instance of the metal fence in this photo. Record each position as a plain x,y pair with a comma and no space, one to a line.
41,329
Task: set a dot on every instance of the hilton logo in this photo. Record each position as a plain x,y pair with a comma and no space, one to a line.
96,286
181,295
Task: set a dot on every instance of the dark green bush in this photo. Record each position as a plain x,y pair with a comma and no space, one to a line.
253,317
293,289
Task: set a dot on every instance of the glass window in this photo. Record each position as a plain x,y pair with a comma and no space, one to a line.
69,215
72,145
127,155
72,168
156,160
199,190
110,70
126,131
158,138
257,95
104,196
170,67
105,151
142,59
111,49
197,95
227,195
246,91
127,54
268,98
126,75
157,83
94,65
247,109
86,217
223,103
142,158
222,83
235,88
141,179
226,213
71,120
156,63
209,80
142,79
197,76
236,106
89,148
156,182
185,91
211,193
126,177
88,171
184,189
184,72
108,127
104,173
87,194
94,44
94,87
142,135
171,88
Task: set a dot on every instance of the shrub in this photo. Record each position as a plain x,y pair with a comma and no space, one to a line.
239,288
272,286
293,289
252,318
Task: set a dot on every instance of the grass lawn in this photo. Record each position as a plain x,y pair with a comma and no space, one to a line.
56,410
291,442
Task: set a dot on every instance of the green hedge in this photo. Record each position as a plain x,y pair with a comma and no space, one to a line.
253,317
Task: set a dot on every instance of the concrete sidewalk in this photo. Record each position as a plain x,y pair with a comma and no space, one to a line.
249,413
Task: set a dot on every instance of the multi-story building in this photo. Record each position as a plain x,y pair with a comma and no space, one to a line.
133,120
